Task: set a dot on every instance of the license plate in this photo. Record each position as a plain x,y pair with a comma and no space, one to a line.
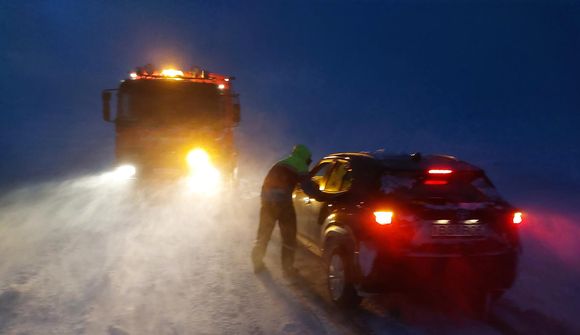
441,230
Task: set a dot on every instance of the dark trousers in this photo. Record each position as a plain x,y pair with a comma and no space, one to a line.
284,213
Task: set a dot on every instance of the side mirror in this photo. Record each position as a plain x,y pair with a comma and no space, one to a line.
237,114
106,97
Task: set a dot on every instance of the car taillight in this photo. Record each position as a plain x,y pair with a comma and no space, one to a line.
518,218
383,218
438,176
440,171
435,182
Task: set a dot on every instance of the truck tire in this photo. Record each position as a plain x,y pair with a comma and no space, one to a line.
339,276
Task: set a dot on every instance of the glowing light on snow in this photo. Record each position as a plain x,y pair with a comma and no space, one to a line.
206,181
204,177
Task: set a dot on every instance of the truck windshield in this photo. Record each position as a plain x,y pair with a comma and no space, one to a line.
160,102
460,187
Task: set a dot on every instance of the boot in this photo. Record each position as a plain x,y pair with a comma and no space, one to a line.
257,261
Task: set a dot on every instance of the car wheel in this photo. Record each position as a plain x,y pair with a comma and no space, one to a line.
339,280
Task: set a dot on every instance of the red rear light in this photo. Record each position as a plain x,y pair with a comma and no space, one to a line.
383,218
435,182
440,171
518,218
435,173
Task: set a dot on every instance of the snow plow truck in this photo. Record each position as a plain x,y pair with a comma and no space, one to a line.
172,124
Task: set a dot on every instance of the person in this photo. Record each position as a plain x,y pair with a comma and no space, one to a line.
276,205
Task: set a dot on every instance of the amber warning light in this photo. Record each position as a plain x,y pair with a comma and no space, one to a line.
171,73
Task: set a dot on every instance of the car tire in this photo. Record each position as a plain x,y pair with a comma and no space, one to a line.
341,288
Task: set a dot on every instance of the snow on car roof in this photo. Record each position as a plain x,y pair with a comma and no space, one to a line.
414,161
417,161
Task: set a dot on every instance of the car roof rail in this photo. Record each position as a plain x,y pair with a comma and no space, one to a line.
349,154
402,160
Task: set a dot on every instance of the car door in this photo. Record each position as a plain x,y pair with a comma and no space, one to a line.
338,181
302,201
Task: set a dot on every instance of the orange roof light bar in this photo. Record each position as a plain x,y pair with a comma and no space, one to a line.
196,74
171,73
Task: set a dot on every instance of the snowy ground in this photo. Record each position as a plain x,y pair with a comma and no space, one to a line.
94,256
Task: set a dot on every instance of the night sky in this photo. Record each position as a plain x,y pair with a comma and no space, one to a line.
495,83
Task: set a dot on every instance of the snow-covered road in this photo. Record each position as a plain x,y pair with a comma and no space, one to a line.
92,256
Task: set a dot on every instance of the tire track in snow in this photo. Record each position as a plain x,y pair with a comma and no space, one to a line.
85,258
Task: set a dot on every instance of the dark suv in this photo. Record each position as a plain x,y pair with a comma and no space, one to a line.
408,221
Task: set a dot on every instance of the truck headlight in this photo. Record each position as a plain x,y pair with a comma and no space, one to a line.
198,158
203,175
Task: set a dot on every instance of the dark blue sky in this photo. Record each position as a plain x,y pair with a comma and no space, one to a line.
495,83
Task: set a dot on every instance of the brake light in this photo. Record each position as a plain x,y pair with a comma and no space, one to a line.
440,171
383,218
435,182
518,218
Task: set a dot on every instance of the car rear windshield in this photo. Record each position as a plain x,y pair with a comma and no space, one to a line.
459,186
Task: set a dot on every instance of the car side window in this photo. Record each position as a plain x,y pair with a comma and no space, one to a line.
346,180
340,178
319,173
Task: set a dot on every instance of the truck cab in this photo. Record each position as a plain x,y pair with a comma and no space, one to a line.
171,123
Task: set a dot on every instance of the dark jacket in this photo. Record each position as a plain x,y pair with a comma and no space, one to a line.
286,174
